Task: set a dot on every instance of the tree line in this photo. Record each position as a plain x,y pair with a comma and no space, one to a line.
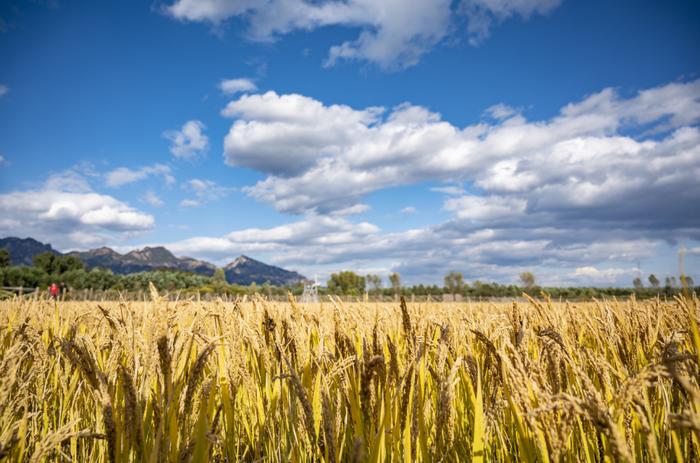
49,268
350,283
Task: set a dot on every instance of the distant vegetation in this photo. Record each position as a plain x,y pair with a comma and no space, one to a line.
48,268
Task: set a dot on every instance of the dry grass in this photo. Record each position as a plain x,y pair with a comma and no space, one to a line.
260,381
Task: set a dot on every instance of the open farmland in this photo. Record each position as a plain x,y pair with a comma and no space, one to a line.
254,380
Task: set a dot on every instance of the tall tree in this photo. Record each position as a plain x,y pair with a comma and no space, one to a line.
346,283
454,282
653,281
5,260
527,279
44,261
687,282
62,264
219,275
395,280
638,285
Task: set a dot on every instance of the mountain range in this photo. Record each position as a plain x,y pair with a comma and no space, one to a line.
242,271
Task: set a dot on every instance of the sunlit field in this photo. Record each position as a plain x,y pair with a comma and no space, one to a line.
166,381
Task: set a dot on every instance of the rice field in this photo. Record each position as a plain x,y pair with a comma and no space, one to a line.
254,380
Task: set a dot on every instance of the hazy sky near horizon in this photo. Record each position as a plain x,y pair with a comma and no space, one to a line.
483,136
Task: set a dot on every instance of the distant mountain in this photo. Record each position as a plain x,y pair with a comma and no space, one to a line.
23,249
142,260
244,271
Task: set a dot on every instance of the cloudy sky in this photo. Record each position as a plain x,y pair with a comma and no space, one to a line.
484,136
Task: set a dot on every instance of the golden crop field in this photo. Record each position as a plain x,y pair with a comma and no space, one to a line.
167,381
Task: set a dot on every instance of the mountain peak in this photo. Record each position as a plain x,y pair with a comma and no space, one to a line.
104,250
155,253
22,250
244,270
241,260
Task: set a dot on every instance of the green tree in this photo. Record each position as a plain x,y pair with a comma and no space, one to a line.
62,264
395,280
527,279
346,283
687,282
653,281
5,260
23,276
454,282
375,281
638,285
219,275
44,261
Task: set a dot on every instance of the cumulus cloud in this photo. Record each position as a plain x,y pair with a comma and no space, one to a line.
605,181
233,86
123,175
618,162
313,232
409,210
487,209
390,35
324,244
189,142
68,214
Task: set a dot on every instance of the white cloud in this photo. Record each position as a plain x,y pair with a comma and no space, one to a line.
409,210
485,208
68,214
604,159
451,190
604,182
123,175
482,14
322,244
284,242
233,86
190,203
352,210
205,191
593,275
189,142
153,199
4,89
390,34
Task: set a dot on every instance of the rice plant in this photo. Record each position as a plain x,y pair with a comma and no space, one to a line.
255,380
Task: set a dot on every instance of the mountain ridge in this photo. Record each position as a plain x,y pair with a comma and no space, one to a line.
243,270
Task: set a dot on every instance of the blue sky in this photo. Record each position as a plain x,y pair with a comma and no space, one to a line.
484,136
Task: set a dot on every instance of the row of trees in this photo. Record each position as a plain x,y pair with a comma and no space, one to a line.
48,268
670,282
350,283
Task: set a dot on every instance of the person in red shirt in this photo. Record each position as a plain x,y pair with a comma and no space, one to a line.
53,291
